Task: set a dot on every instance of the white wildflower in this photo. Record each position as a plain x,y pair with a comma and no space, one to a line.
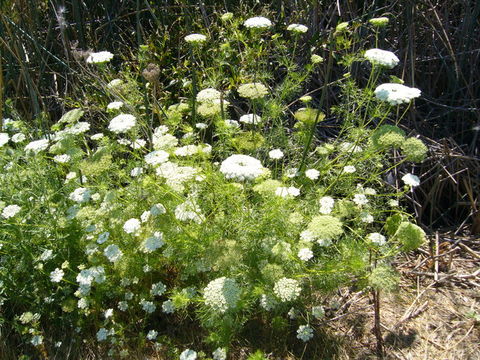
156,157
297,28
241,167
10,211
275,154
57,275
132,226
376,238
257,22
80,195
62,159
410,179
253,90
37,146
158,289
19,137
287,289
152,243
99,57
326,205
152,335
102,334
312,174
305,254
396,94
122,123
168,307
382,57
103,237
250,119
195,38
290,191
219,354
318,312
304,333
349,169
136,171
4,138
360,199
113,252
115,105
188,355
222,294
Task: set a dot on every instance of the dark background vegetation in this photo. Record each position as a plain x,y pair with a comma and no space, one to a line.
437,42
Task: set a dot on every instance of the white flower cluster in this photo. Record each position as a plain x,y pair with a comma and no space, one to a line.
147,306
257,22
176,175
241,167
326,205
275,154
305,254
287,289
4,137
304,333
312,174
208,95
189,210
132,226
156,157
250,119
222,294
87,276
297,28
267,302
411,180
113,253
189,150
188,355
99,57
376,238
10,211
80,195
290,191
219,354
396,94
158,289
195,38
115,105
382,57
122,123
252,90
56,275
152,243
37,146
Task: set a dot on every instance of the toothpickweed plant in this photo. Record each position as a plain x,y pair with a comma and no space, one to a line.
212,199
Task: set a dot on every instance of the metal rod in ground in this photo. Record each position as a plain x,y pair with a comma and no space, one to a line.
377,330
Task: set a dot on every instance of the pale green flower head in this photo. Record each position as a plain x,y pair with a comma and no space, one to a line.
410,236
227,16
379,22
316,59
342,27
252,90
414,150
325,227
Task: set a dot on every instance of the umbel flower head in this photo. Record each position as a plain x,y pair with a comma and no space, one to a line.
122,123
222,294
252,90
195,38
241,167
208,95
410,236
99,57
382,57
287,289
396,94
258,22
297,28
325,227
